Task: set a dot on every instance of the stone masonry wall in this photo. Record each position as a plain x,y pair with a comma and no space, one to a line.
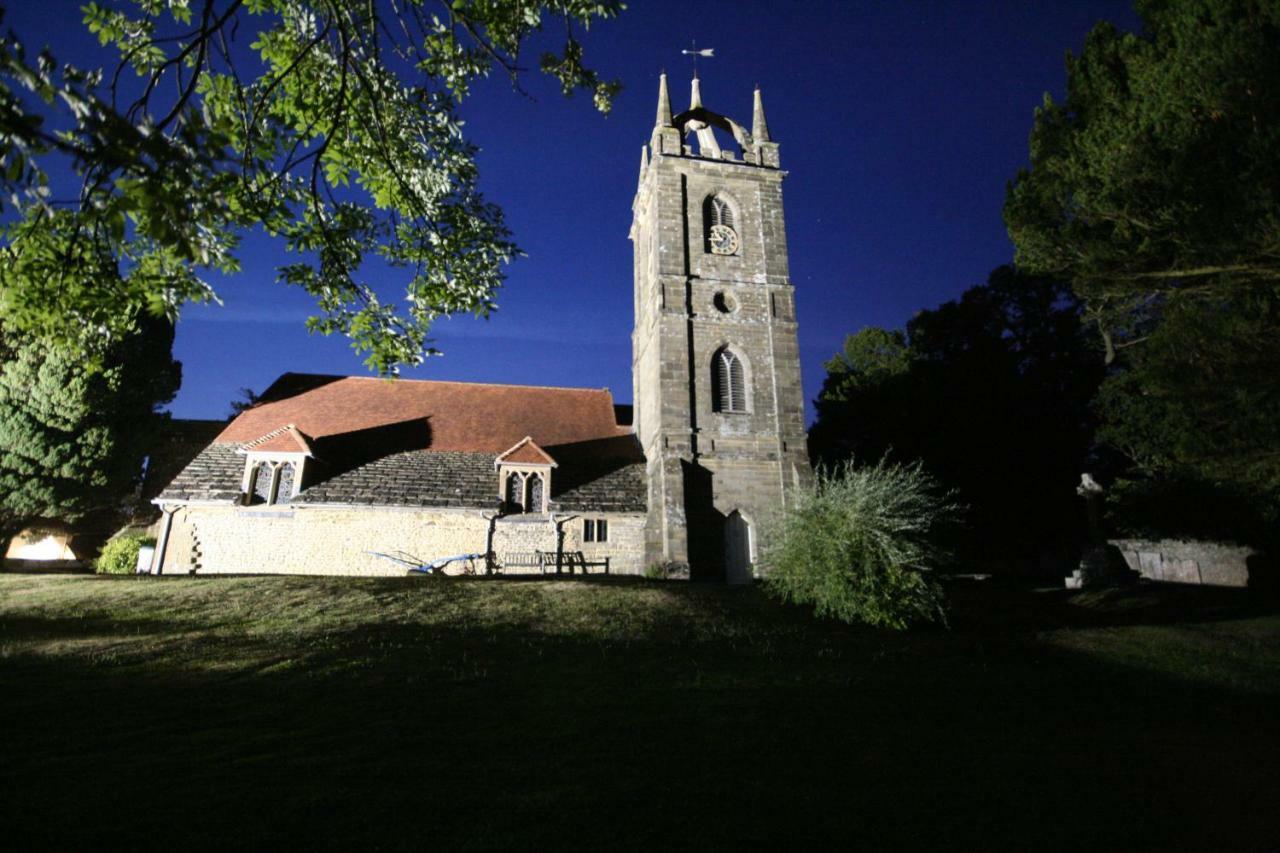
334,541
1186,561
757,457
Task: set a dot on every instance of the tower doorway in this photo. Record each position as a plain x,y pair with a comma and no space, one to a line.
737,548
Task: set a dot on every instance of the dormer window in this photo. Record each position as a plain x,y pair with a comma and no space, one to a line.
524,477
524,489
272,482
274,466
261,483
513,497
535,492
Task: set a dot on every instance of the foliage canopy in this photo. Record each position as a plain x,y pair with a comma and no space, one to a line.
991,392
73,436
1154,188
1158,173
333,128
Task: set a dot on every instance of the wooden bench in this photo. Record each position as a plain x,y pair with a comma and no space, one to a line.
545,562
524,560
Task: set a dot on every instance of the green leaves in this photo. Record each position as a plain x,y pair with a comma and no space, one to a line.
1159,171
857,546
1154,188
327,139
73,434
1199,396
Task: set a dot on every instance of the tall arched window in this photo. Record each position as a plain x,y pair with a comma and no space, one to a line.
534,504
284,483
260,489
718,212
728,383
515,492
719,229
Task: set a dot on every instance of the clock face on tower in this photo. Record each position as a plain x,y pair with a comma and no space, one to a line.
723,240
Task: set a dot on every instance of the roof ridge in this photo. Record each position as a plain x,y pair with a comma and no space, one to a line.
266,437
605,389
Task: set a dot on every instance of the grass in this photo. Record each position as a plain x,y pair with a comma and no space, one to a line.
463,714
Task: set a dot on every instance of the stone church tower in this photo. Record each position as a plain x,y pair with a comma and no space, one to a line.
719,408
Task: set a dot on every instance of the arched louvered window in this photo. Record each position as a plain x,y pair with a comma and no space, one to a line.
515,492
728,383
534,483
284,482
718,212
260,489
719,229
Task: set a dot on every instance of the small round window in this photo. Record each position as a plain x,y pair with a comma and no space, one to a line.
724,303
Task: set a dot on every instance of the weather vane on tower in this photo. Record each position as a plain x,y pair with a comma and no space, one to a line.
708,53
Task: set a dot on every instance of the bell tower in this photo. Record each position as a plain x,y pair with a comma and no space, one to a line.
719,408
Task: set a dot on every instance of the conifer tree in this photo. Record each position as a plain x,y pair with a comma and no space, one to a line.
73,435
1154,188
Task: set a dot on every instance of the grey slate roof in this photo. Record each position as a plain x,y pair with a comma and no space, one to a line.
620,490
412,478
214,475
424,478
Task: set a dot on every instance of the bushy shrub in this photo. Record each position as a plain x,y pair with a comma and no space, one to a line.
859,544
655,572
120,555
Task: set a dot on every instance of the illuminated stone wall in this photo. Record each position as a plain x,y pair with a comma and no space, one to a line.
336,541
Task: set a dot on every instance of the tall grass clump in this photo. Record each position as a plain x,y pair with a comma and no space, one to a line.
859,545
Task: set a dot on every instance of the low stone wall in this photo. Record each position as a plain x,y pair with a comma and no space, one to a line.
337,541
1187,561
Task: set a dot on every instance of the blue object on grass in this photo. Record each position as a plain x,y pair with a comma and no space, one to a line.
415,564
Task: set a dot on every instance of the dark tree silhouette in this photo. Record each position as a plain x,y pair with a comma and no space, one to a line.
991,392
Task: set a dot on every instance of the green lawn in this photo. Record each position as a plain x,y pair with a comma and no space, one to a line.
441,714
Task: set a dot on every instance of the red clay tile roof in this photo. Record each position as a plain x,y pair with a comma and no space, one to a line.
445,416
286,439
527,452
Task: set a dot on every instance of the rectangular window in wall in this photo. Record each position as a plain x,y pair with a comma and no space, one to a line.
595,530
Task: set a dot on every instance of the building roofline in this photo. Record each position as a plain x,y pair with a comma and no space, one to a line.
604,389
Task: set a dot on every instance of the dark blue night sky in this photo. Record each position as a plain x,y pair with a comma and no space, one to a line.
899,124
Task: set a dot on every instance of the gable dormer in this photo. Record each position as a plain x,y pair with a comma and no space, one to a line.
274,466
524,477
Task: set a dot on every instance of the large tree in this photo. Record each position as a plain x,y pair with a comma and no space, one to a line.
73,435
1159,173
1154,187
991,392
330,124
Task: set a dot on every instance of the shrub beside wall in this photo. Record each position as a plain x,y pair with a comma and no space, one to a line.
120,555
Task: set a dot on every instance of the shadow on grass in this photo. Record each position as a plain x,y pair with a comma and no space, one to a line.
758,728
1001,606
1010,607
